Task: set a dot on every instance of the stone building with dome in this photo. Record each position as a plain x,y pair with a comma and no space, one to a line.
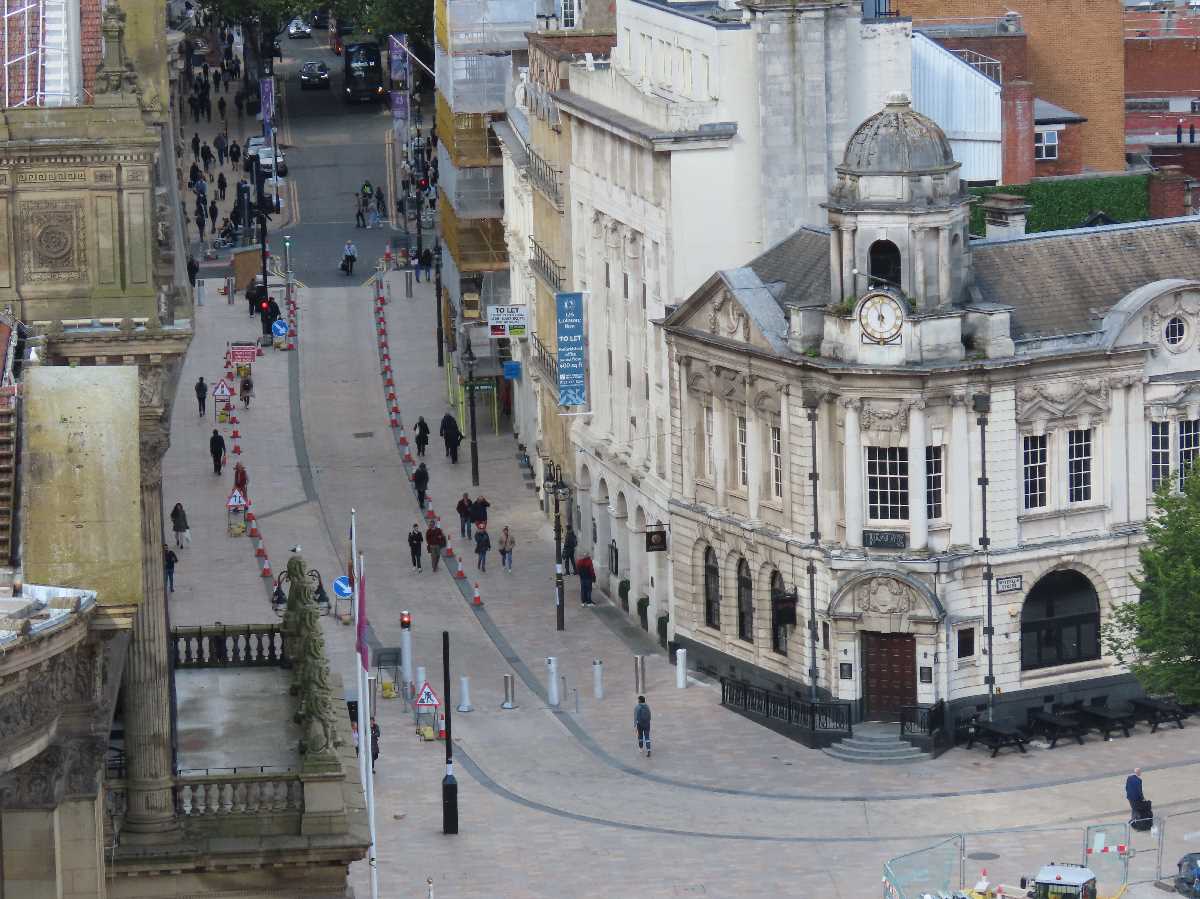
841,404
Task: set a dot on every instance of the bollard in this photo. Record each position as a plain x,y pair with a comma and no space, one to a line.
681,669
464,692
576,692
420,681
552,694
639,674
597,678
406,665
510,692
408,284
200,292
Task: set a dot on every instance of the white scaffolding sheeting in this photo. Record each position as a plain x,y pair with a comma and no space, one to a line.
473,83
489,24
476,192
37,52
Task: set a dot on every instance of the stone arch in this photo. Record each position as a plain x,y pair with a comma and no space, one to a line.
1099,581
884,263
886,600
1060,620
585,478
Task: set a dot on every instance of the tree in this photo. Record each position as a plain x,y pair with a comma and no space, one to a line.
1158,636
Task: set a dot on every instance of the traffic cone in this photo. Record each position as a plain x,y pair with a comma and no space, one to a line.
258,352
429,507
441,725
237,449
477,599
403,441
408,456
266,568
260,551
395,420
291,343
389,382
236,435
253,522
461,574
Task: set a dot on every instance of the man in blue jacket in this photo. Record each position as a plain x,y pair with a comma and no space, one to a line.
1133,790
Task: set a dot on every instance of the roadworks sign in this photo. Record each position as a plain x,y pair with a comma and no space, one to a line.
427,698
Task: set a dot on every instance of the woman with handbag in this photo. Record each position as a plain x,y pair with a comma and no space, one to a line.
179,524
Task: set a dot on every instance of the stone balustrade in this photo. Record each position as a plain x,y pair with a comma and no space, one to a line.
222,795
228,646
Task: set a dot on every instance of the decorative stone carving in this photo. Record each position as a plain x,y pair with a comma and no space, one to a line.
153,442
733,323
1184,305
878,417
310,676
150,387
1060,400
726,384
84,765
850,402
68,678
55,248
884,596
38,784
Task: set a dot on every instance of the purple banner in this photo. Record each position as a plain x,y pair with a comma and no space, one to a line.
266,91
397,58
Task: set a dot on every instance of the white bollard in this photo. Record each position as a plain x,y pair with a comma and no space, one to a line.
681,669
420,681
406,662
597,678
464,692
552,681
510,692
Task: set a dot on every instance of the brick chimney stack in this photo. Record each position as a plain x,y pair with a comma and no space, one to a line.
1016,129
1168,192
1005,215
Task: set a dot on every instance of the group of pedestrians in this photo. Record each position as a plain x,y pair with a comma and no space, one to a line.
370,206
209,190
183,537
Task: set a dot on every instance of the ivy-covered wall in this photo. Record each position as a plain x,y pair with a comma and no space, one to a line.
1058,205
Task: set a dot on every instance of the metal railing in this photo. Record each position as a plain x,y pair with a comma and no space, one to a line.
547,179
545,266
989,68
800,718
545,360
228,646
923,720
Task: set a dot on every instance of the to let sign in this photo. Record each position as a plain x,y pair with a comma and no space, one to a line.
1011,584
885,539
572,384
243,354
508,321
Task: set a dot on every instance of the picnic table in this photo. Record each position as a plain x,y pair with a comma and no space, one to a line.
1057,727
996,736
1157,711
1105,720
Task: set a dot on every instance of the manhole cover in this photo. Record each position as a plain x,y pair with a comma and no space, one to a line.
983,856
362,434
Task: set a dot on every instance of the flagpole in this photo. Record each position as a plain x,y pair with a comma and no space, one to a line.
364,731
364,693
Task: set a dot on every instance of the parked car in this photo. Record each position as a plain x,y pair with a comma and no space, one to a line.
298,28
314,74
256,148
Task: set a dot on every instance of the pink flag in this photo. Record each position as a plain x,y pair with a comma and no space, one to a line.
361,644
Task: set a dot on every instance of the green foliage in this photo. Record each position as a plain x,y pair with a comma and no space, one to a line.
411,17
844,308
1159,635
1058,205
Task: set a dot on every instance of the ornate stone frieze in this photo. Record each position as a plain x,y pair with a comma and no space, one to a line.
1061,400
726,318
84,766
68,678
883,596
55,245
38,784
877,416
1184,305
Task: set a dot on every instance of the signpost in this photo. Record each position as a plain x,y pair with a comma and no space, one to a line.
342,587
508,321
572,384
235,513
279,328
426,698
222,390
1010,584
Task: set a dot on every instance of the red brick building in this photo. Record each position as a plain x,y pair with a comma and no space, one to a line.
1162,78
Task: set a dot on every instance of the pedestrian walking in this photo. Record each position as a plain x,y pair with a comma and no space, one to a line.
193,176
195,145
354,736
422,438
375,734
201,394
435,542
482,544
179,524
235,153
380,201
587,576
570,542
206,156
421,482
194,106
506,544
222,185
239,102
374,220
213,213
193,269
479,511
425,264
464,516
169,560
451,436
349,254
207,102
216,449
246,391
641,724
221,107
220,142
360,220
1141,811
415,541
241,480
201,220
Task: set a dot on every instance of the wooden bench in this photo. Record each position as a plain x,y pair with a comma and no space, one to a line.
1055,727
997,736
1158,711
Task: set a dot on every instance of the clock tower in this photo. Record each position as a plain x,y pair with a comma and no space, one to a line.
900,260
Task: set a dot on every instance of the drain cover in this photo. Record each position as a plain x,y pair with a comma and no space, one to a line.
983,856
362,434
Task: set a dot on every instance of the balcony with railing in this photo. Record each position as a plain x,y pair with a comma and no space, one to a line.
475,192
547,179
989,68
545,361
466,136
545,266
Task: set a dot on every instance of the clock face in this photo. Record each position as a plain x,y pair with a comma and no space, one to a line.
881,317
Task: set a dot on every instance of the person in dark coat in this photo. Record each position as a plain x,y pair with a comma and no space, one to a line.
179,524
206,156
195,145
479,512
235,153
201,221
169,560
374,743
464,516
483,542
1133,790
570,542
435,542
451,435
414,546
422,430
216,449
193,269
222,185
587,576
421,482
201,394
213,212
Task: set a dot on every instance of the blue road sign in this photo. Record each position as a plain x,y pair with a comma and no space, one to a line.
280,328
342,588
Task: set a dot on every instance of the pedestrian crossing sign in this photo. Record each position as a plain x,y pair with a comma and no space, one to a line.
427,698
222,391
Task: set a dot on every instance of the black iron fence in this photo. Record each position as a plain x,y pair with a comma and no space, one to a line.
925,726
228,646
812,723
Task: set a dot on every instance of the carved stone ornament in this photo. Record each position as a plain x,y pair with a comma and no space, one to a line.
84,765
1061,400
116,78
881,417
54,246
883,596
38,784
726,318
1184,305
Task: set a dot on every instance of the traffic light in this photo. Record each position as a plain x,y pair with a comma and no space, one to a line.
405,620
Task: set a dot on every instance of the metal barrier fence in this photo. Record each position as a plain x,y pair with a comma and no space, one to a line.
936,869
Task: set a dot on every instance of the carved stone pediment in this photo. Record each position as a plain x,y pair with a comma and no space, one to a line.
726,318
1062,400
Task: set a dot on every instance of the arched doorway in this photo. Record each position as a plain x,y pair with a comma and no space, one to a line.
1060,621
885,265
601,527
712,590
584,510
638,582
745,602
618,557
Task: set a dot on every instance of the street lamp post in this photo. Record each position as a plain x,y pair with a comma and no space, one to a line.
468,357
812,402
982,404
437,299
554,483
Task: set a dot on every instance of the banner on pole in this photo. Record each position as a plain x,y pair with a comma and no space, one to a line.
572,384
266,92
361,635
397,57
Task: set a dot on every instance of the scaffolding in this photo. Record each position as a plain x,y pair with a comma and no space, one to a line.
36,57
476,245
467,26
475,193
476,83
468,139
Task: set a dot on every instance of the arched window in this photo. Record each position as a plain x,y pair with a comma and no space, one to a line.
712,590
1060,621
884,258
779,630
745,599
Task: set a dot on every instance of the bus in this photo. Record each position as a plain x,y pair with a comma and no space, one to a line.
363,62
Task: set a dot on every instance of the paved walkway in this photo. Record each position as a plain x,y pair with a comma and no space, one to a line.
554,802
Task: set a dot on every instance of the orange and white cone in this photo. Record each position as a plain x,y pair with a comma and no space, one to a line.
253,522
429,513
266,568
441,725
237,449
260,551
236,435
476,599
461,574
258,353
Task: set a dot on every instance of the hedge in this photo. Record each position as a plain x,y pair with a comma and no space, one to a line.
1058,205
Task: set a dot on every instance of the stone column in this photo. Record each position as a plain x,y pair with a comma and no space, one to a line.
1139,477
785,441
944,265
849,283
720,448
1119,474
918,513
852,491
151,817
960,471
918,258
754,454
837,291
687,432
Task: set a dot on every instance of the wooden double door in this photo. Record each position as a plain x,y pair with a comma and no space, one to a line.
889,674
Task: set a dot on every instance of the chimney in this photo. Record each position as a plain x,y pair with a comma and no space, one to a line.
1004,215
1168,192
1016,132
